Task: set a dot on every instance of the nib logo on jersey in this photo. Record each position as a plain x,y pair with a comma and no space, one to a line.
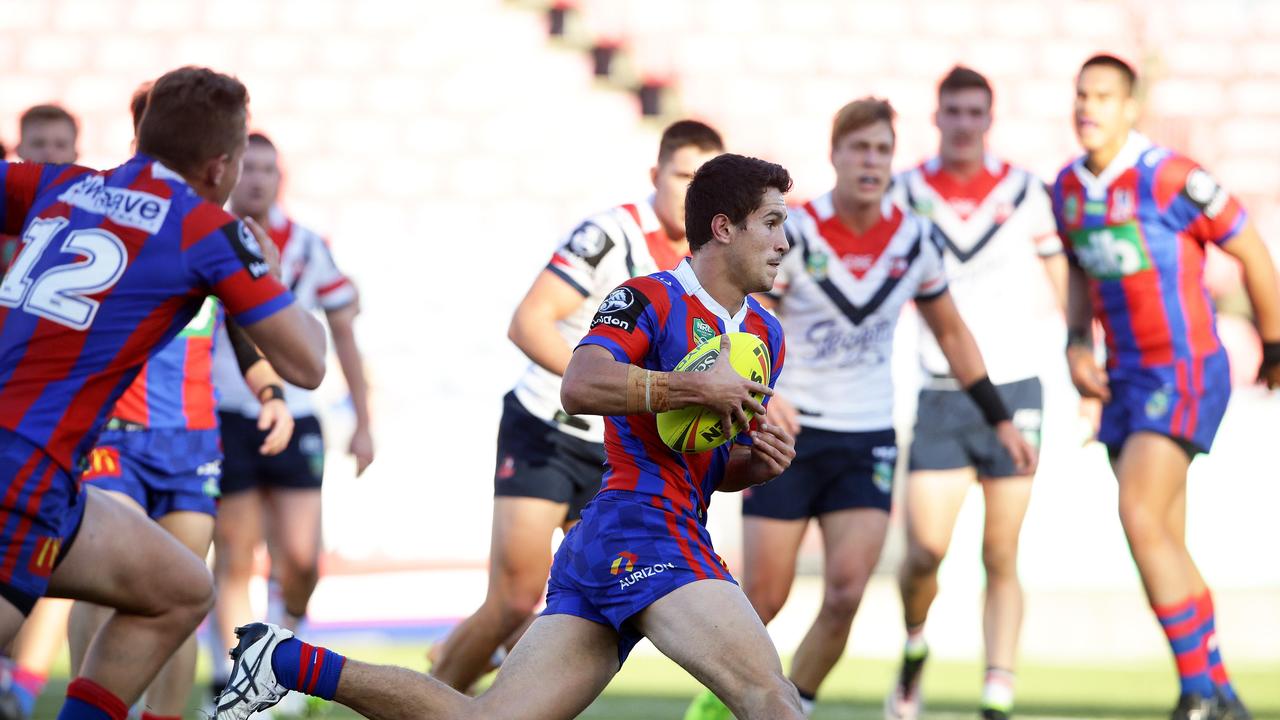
626,563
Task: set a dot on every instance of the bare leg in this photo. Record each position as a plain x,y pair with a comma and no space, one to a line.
236,534
172,687
1153,474
293,540
86,618
1006,502
933,502
769,550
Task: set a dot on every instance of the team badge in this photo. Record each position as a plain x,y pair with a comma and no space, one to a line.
816,266
923,206
898,267
702,332
1158,404
1071,208
1004,211
507,469
1122,206
882,476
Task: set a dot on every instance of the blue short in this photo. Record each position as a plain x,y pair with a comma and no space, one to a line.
832,471
40,513
629,551
164,470
1184,401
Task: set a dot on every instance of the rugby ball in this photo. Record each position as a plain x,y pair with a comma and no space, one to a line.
695,429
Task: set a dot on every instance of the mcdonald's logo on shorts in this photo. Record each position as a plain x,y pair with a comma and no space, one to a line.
102,462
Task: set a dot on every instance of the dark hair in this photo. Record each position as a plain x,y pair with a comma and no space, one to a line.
257,138
963,78
48,113
684,133
859,114
1115,63
193,115
138,104
729,185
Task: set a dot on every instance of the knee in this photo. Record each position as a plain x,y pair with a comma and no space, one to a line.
774,697
767,598
923,559
298,567
840,599
1141,525
189,591
1000,560
517,604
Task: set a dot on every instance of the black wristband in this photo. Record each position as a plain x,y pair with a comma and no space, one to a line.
1270,354
1082,337
272,392
988,399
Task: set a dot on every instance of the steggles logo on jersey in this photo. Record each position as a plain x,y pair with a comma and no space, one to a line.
702,332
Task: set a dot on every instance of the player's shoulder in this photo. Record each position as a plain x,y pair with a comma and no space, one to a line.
599,233
1165,164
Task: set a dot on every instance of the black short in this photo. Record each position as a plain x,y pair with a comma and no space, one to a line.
831,471
951,434
300,465
537,460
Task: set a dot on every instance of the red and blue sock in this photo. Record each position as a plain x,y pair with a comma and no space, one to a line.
307,669
87,700
26,686
1181,623
1209,638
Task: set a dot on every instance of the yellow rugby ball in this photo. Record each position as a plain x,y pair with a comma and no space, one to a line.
696,429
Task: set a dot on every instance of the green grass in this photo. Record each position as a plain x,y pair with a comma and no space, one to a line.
651,688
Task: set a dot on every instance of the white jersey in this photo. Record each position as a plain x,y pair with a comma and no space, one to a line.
599,254
308,270
840,298
993,229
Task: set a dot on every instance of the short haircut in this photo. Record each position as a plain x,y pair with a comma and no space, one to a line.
963,78
685,133
138,104
48,113
258,138
1107,60
193,115
729,185
859,114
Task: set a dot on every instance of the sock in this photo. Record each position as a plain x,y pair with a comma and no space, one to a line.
1181,624
153,716
807,701
87,700
1208,631
307,669
27,686
916,647
997,689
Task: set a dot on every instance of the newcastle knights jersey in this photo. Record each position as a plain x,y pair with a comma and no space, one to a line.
174,390
840,295
1139,230
113,265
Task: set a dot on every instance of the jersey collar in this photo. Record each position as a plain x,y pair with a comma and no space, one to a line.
1095,186
692,286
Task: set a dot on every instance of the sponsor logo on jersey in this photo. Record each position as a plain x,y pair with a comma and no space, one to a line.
212,487
131,208
246,248
858,263
622,309
1095,207
1205,192
923,206
1004,211
45,556
619,299
590,243
898,267
102,462
1122,206
702,332
625,562
816,266
829,341
1158,403
507,469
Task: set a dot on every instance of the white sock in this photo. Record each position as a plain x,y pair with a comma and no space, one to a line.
915,645
806,706
997,690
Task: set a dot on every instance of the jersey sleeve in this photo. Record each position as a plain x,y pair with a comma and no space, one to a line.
579,256
1195,203
228,263
627,322
933,276
1043,226
334,290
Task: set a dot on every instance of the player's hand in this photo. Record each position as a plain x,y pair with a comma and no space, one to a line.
362,448
1090,379
1024,456
772,446
1269,375
1090,414
784,414
728,394
270,252
275,418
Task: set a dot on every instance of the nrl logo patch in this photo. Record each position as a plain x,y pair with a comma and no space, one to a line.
702,332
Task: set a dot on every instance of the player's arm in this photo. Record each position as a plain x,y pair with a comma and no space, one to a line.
342,326
1055,267
274,418
1089,378
958,346
771,451
533,325
1260,282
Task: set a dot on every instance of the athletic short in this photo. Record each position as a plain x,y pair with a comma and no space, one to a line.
831,471
537,460
299,466
42,508
1184,401
625,555
951,433
164,470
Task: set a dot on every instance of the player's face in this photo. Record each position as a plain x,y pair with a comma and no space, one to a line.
259,182
1105,110
963,119
759,244
863,160
670,181
231,171
52,141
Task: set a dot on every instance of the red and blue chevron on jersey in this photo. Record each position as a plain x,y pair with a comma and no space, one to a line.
112,266
650,321
175,388
1139,231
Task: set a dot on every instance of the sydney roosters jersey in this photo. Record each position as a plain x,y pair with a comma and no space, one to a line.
175,388
1139,231
113,265
653,322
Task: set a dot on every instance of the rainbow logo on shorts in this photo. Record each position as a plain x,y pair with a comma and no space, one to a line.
102,462
623,557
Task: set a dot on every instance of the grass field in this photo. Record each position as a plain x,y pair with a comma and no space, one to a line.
651,688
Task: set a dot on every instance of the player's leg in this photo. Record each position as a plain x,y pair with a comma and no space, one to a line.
769,550
852,541
35,649
113,562
711,630
167,697
236,534
293,541
1006,501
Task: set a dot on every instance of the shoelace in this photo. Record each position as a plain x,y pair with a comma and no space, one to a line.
242,686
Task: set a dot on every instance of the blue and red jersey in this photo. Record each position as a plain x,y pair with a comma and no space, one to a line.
653,322
175,388
1139,230
113,265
